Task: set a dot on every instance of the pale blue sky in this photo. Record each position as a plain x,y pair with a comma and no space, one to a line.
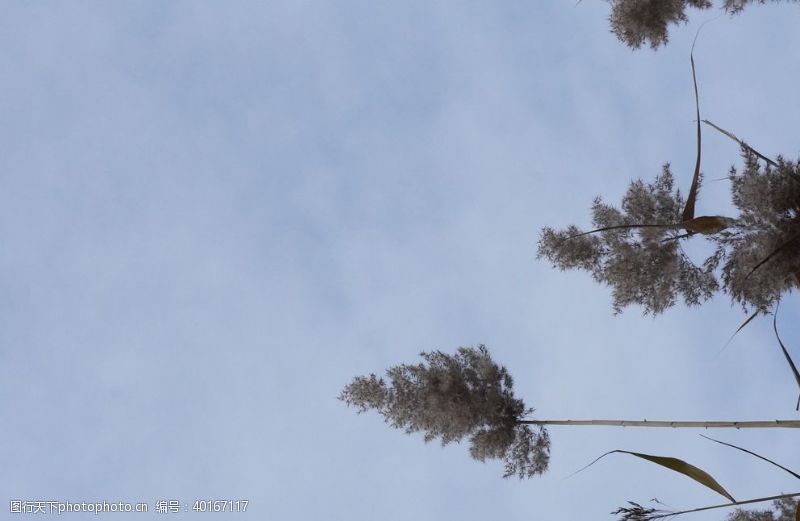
213,215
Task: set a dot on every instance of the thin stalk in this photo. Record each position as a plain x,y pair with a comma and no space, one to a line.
724,505
788,424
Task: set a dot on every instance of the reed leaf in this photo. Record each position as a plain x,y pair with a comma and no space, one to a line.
795,474
688,210
741,143
744,325
676,465
786,354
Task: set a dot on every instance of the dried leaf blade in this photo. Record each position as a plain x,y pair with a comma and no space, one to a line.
789,360
676,465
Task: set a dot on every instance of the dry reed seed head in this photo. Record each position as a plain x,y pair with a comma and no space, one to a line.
782,510
760,289
449,397
366,392
636,512
758,252
766,193
656,202
786,508
638,21
751,515
529,454
569,252
768,227
639,267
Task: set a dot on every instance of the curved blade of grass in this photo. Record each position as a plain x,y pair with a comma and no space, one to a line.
688,210
676,465
752,454
786,353
741,143
744,325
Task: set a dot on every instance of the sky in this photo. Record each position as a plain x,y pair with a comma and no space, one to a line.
214,215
